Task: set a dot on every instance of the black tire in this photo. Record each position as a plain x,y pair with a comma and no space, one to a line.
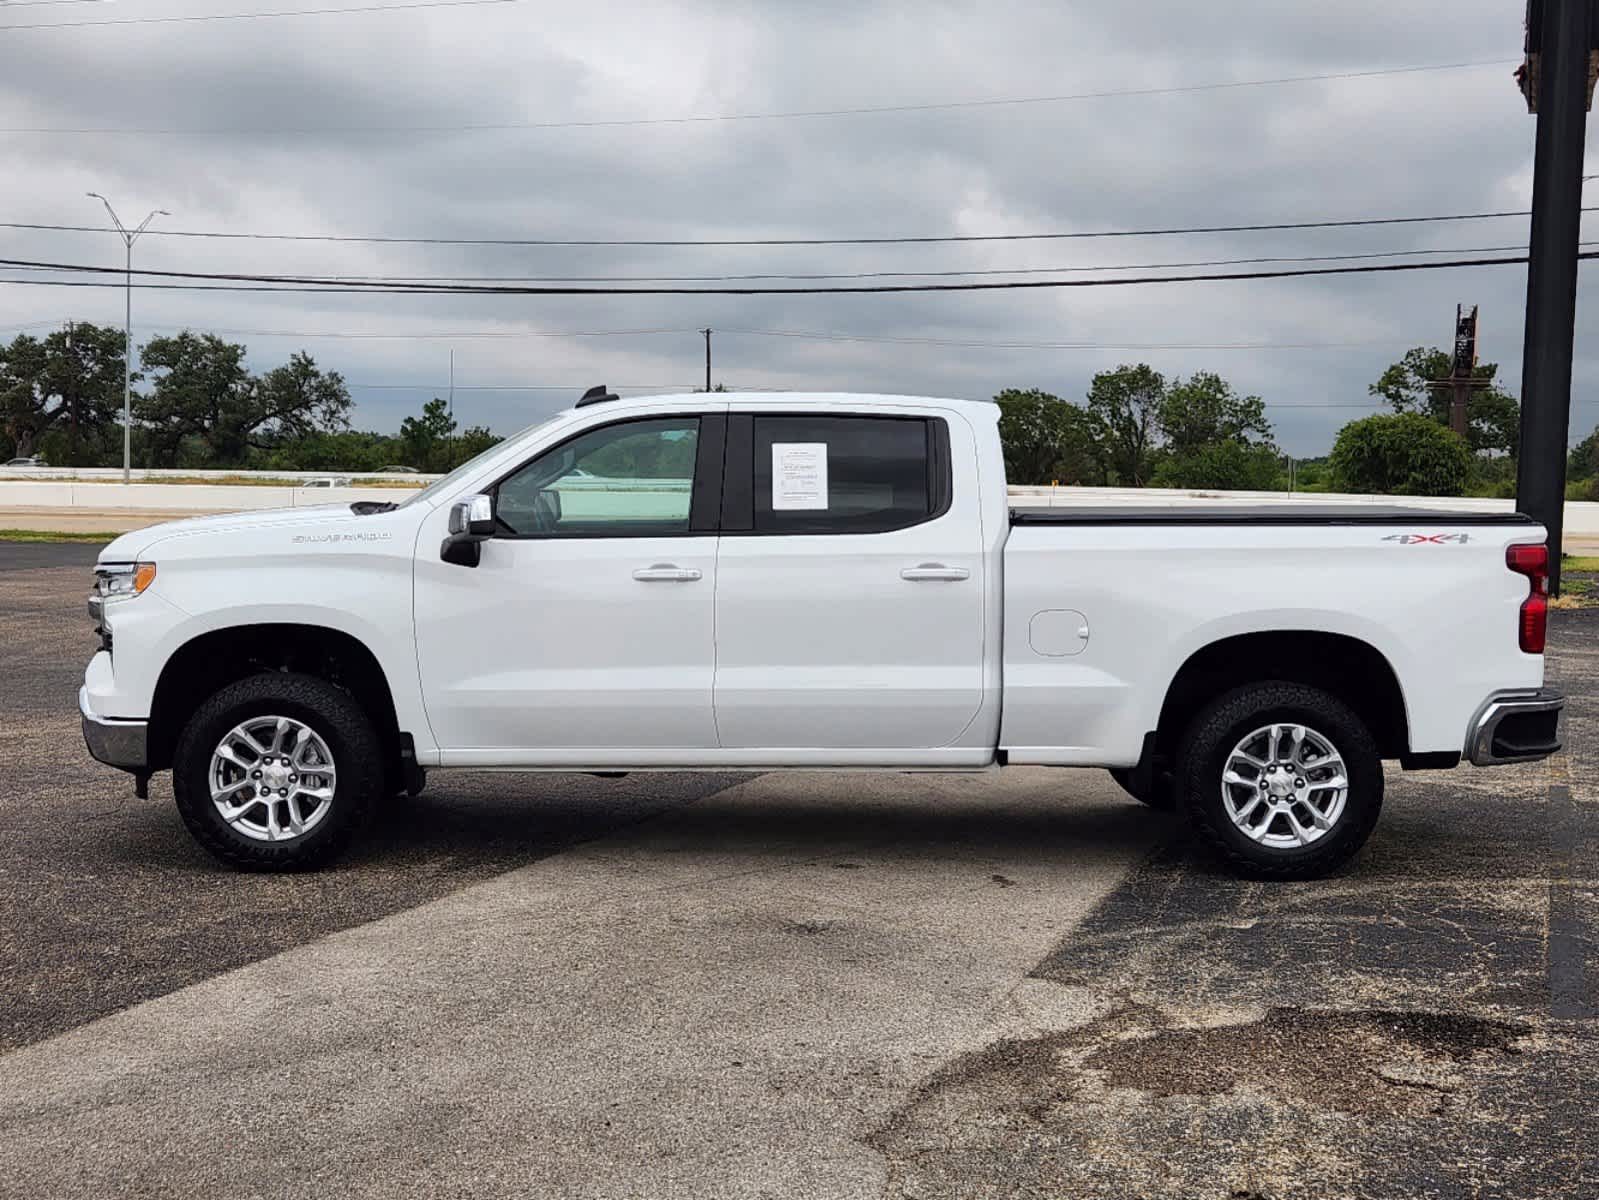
334,716
1219,727
1159,796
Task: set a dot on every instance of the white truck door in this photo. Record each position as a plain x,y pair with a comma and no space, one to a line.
849,598
585,633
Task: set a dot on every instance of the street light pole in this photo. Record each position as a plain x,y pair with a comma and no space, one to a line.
127,329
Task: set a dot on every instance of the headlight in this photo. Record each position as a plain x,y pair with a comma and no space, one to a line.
121,580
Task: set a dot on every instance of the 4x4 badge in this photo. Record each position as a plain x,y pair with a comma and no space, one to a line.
1411,539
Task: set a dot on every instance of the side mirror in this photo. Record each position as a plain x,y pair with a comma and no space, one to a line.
471,522
473,517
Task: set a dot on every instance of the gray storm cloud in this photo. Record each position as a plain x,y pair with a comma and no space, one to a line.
309,99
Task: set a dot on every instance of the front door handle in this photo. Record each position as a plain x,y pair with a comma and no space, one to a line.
934,571
666,573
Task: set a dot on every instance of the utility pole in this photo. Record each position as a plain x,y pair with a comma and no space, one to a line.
127,330
77,401
1462,378
1555,80
707,334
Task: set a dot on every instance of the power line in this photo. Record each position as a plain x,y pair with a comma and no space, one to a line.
333,287
257,16
942,239
800,334
990,271
718,118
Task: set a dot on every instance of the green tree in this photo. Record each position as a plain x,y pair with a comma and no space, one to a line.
1407,454
1493,417
193,409
1203,410
426,438
344,450
1215,438
1046,439
294,401
62,393
1227,466
472,442
205,407
1125,407
1583,462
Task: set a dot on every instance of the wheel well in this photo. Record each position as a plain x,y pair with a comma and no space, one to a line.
1353,670
211,661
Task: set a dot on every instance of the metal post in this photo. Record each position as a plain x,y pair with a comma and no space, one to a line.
450,458
127,369
127,328
1459,400
1559,34
707,334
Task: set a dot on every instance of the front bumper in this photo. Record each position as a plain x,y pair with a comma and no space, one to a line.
114,741
1518,726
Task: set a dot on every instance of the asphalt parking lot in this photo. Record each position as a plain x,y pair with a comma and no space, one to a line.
807,985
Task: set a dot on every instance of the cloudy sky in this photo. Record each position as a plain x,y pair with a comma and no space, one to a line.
358,124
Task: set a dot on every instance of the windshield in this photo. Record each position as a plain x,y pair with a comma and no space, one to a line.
442,487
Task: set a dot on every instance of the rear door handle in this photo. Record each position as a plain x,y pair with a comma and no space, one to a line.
934,571
666,573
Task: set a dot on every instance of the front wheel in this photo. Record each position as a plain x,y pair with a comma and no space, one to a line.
1282,781
277,772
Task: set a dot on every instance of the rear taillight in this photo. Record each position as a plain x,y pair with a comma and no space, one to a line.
1533,562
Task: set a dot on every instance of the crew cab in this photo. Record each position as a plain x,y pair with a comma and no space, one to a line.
802,581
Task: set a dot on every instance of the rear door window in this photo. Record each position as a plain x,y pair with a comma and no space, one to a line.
843,474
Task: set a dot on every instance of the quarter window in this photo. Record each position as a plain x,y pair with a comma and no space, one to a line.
632,479
844,474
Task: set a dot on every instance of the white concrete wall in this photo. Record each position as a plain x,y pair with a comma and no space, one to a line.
114,474
1582,517
178,497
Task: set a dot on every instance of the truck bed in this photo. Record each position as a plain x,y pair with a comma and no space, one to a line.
1261,514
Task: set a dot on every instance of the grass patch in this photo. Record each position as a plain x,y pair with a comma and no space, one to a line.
1579,562
55,535
1577,590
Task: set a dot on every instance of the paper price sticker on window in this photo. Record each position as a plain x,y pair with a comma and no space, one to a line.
799,476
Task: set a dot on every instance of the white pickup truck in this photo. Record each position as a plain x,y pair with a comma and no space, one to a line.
801,581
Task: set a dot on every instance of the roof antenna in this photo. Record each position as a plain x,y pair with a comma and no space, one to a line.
596,395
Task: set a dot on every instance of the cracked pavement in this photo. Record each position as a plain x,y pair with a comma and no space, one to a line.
808,985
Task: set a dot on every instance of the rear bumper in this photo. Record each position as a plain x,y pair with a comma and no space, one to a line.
1517,726
115,742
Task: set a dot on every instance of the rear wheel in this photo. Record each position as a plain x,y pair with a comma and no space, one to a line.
1282,781
277,772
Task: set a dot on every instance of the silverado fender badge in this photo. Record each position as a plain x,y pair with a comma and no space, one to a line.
364,536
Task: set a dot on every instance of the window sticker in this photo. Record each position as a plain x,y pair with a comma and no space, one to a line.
799,476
